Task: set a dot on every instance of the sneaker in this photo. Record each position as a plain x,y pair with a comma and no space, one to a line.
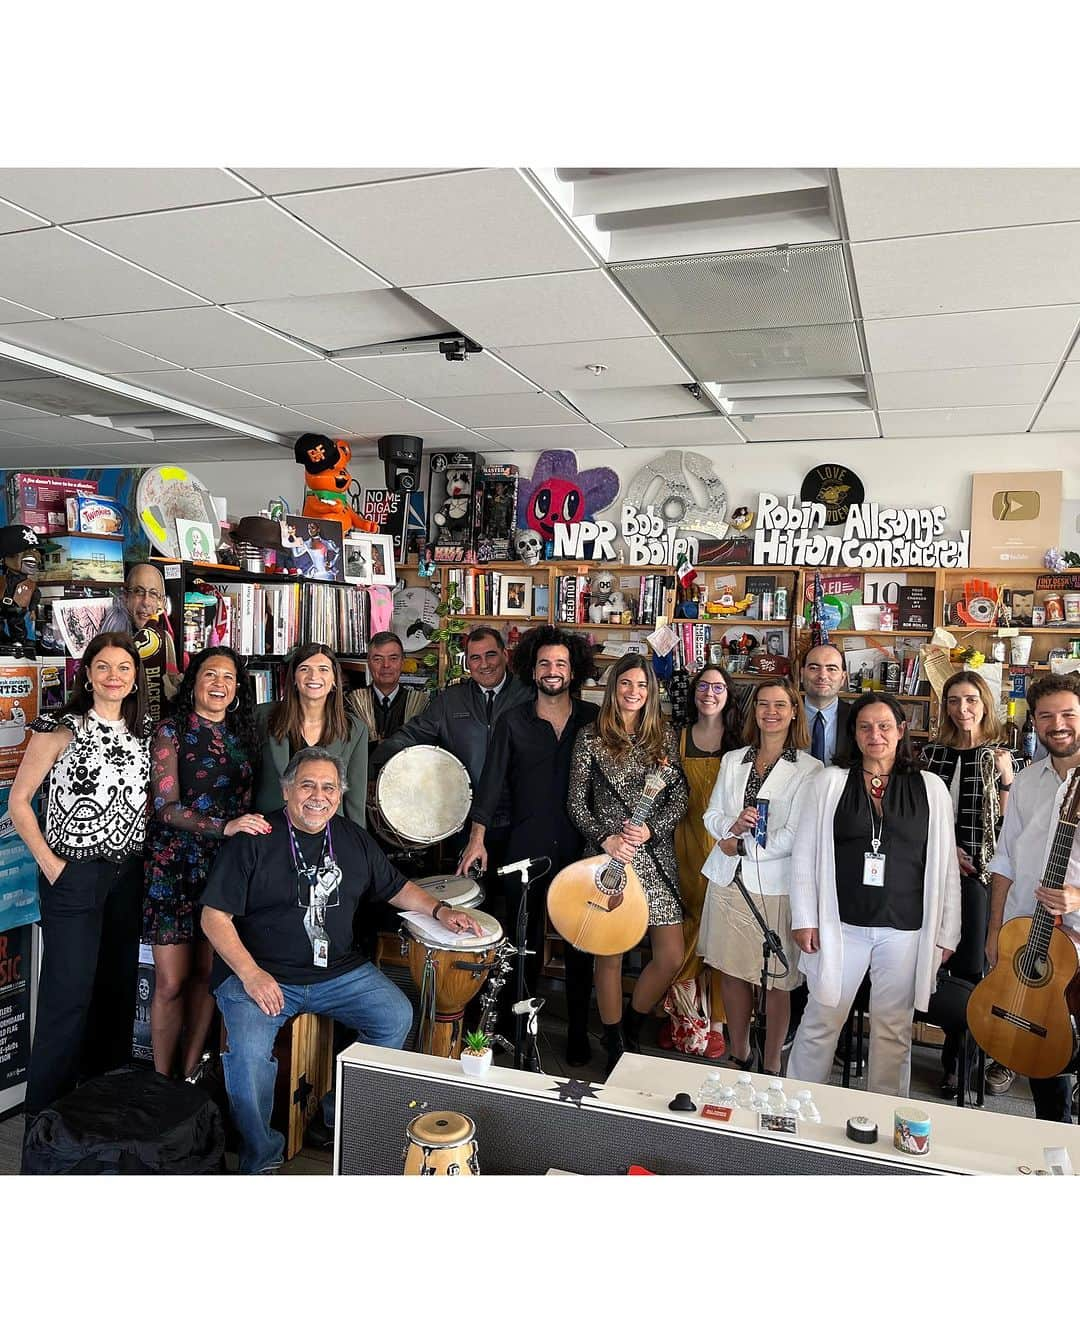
999,1079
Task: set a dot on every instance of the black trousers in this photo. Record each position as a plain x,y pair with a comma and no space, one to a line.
90,923
969,959
1053,1097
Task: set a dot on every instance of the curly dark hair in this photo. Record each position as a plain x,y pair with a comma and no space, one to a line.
527,650
907,758
241,718
134,706
732,715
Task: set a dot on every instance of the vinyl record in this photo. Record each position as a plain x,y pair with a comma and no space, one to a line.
166,493
837,487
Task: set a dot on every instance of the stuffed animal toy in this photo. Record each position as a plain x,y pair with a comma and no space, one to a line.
329,484
605,600
453,517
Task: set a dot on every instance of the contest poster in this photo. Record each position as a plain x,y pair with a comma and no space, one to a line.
16,956
18,708
18,874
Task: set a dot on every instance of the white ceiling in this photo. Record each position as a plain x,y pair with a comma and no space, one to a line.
948,299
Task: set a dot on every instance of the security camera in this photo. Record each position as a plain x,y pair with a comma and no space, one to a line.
457,350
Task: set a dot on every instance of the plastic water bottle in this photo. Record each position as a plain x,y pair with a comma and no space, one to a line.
777,1099
761,1104
794,1108
810,1113
726,1096
710,1089
744,1091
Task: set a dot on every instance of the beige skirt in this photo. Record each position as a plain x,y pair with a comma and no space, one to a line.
730,938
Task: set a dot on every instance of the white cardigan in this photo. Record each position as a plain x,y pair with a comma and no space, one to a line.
813,888
765,871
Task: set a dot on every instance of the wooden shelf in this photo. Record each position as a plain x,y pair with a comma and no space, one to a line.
1020,629
778,623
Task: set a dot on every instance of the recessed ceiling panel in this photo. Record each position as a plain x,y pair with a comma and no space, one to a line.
646,362
522,408
537,309
899,202
373,418
61,396
638,403
341,321
971,339
275,181
198,337
735,291
968,272
696,431
233,253
777,352
79,345
67,277
786,428
314,380
964,420
434,230
424,375
948,387
65,194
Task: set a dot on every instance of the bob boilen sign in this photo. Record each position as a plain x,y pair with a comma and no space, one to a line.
646,537
873,537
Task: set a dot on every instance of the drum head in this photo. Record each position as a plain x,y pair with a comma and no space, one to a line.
424,794
491,935
441,1128
460,892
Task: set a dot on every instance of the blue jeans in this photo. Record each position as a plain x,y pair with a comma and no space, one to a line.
363,999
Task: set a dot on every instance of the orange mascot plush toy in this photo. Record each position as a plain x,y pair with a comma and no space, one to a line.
329,484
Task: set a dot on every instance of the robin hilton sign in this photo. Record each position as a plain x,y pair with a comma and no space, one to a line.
873,537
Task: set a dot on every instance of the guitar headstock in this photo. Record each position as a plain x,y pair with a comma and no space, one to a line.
657,780
1070,806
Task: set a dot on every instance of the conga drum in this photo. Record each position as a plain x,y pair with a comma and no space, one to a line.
422,796
460,892
441,1143
448,979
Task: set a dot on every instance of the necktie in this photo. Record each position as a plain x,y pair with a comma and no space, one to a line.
817,739
489,703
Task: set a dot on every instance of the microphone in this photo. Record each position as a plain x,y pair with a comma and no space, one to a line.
527,1006
523,866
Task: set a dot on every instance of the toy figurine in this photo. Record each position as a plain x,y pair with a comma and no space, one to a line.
20,549
330,488
452,518
605,600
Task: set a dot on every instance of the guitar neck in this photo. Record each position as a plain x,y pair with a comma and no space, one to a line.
642,810
1057,863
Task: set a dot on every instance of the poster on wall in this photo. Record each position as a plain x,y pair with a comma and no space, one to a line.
18,708
1015,518
16,958
18,874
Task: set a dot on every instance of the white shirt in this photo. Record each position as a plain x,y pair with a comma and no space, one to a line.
1024,845
379,696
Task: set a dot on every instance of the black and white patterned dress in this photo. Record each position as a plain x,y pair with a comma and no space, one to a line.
98,789
962,772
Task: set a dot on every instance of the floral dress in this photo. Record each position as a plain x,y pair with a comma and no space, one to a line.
200,779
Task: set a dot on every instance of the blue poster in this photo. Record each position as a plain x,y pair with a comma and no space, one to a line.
18,874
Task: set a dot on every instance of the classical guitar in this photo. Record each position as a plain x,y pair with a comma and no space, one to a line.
598,904
1019,1014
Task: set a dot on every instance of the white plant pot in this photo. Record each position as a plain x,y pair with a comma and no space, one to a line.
476,1065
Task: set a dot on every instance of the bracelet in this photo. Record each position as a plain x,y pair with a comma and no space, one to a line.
443,904
1003,787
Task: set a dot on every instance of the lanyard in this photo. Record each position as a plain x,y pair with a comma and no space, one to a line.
877,832
322,879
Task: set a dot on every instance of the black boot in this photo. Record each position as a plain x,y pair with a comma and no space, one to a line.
613,1043
631,1024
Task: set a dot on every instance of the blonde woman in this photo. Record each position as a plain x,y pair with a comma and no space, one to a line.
611,759
773,766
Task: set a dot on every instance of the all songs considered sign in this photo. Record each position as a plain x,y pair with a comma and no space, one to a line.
872,538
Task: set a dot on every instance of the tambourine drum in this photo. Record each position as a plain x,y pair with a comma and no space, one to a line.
461,892
449,978
422,795
441,1143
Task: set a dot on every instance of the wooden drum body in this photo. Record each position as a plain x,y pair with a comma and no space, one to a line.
448,979
422,796
441,1143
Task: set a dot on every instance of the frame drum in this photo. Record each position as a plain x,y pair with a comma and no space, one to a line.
422,795
448,979
441,1143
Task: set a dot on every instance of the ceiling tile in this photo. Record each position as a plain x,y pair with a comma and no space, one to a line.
965,420
64,396
439,440
1058,415
61,431
642,362
15,312
773,352
65,194
233,253
1066,388
13,410
971,339
198,390
425,375
966,272
198,337
342,321
275,181
524,408
637,403
82,346
538,438
784,428
435,230
314,380
949,387
373,418
14,220
898,202
285,420
677,432
537,309
67,277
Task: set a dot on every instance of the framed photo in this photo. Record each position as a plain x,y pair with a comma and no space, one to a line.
515,595
196,541
369,560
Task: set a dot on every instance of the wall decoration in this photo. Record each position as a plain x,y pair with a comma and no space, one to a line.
837,487
369,560
166,493
873,537
18,707
665,486
195,541
528,546
388,511
1015,517
559,492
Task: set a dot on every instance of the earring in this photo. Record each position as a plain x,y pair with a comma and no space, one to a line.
233,705
89,687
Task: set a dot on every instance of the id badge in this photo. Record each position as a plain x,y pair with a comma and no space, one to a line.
320,947
873,871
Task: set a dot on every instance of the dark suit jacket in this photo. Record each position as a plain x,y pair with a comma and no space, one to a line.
843,713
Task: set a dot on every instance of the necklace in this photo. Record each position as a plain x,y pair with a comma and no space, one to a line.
878,783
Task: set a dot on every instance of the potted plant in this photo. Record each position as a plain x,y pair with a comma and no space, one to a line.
476,1054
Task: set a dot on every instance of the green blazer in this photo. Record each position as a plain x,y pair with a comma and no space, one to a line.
353,755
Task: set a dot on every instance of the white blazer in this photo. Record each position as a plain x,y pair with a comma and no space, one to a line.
813,888
765,871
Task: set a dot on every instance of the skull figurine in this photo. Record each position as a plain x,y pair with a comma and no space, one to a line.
528,546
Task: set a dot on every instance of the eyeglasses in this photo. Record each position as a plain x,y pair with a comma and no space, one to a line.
715,688
145,592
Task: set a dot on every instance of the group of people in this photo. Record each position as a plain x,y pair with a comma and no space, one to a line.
232,838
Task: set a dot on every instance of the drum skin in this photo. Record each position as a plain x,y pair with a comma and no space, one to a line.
422,796
441,1143
459,892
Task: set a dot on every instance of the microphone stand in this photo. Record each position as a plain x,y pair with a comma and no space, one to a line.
770,946
520,1026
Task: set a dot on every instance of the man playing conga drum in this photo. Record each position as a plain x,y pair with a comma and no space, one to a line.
278,910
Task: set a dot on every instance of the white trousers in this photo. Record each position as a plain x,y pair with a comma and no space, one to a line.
890,955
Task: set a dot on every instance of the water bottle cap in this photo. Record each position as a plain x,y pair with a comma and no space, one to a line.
803,1095
744,1077
714,1076
776,1084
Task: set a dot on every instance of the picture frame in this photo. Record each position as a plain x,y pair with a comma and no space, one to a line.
196,541
368,559
312,547
515,595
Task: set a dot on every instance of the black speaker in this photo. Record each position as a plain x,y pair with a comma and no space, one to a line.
400,454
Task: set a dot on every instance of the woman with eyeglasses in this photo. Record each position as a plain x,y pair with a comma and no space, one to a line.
714,725
312,712
774,767
203,763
